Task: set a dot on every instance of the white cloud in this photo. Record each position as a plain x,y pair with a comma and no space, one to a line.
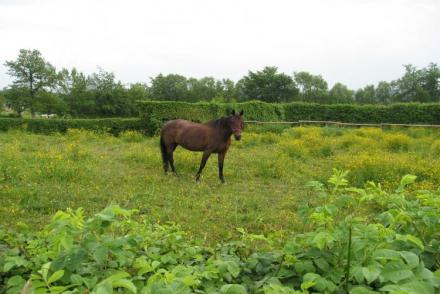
356,42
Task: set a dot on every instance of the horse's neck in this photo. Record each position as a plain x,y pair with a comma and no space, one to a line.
225,133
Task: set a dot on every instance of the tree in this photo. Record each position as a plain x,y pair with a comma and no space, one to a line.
226,90
169,87
267,85
340,93
32,73
312,88
203,89
367,95
111,97
138,92
2,100
73,87
48,102
384,93
17,99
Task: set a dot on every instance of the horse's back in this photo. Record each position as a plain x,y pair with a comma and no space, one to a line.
190,135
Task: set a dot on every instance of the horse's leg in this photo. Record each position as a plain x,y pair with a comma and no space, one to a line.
163,149
170,151
221,158
205,157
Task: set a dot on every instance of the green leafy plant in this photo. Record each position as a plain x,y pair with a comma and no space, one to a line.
396,250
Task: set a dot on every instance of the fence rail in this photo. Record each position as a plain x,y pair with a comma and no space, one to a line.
322,122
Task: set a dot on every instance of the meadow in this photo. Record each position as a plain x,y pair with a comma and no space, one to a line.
304,210
266,175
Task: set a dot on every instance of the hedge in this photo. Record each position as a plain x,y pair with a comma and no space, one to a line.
154,113
43,125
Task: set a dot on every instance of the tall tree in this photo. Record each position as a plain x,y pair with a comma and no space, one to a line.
48,102
32,73
366,95
169,87
138,91
17,99
312,88
340,93
226,90
267,85
111,97
75,90
384,93
203,89
2,100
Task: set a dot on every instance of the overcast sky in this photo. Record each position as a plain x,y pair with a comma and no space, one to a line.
356,42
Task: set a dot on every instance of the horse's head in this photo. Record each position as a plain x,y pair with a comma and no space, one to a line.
237,124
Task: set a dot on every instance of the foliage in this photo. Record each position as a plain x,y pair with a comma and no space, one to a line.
33,73
313,88
340,93
41,125
74,90
267,85
396,251
155,112
39,88
17,99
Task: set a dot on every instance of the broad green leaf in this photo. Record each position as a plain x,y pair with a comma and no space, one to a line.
105,287
362,290
396,275
416,241
307,284
117,276
411,259
55,276
233,268
15,281
101,254
8,266
323,239
406,180
322,264
386,254
124,283
76,279
233,289
412,287
58,289
370,273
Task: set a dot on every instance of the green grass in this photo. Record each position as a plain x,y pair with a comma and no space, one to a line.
266,175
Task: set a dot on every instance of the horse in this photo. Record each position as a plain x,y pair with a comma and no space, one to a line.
210,137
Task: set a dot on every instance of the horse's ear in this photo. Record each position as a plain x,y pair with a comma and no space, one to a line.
241,112
233,112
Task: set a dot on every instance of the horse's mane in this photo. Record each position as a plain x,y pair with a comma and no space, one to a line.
222,122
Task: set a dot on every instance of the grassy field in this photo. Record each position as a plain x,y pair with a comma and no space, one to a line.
266,175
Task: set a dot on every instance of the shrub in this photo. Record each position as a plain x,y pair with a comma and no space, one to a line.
156,112
394,248
39,125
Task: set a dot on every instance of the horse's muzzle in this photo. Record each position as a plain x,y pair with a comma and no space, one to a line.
237,137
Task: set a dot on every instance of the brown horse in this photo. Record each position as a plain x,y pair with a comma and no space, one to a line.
210,137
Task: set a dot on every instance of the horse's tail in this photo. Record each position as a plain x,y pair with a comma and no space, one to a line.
163,150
